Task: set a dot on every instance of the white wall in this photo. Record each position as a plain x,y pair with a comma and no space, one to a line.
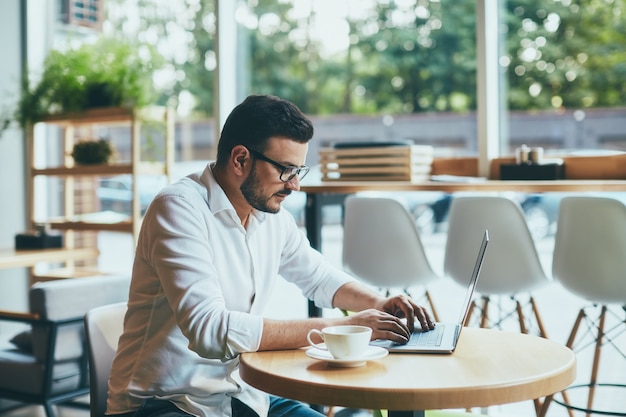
13,217
13,282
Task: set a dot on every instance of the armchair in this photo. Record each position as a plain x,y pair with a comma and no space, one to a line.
51,367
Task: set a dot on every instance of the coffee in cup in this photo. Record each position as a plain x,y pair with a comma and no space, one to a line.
343,342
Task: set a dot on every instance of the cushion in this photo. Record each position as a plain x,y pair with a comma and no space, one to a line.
21,372
23,341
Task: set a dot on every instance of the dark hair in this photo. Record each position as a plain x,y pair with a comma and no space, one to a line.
259,118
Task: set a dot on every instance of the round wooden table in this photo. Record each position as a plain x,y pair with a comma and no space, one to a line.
489,367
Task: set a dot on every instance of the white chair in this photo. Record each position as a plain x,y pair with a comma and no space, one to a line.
103,327
589,260
512,269
382,246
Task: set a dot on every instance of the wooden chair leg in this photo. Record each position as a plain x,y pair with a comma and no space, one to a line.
574,332
569,344
469,313
484,318
542,329
520,317
541,406
432,306
596,359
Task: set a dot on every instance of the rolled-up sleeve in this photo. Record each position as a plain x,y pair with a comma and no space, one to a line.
244,334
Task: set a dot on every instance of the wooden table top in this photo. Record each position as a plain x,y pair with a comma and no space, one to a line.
489,367
11,258
348,187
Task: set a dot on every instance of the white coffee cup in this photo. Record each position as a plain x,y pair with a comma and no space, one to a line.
343,342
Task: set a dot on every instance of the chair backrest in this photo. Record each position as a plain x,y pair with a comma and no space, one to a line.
513,264
381,244
590,248
67,299
103,327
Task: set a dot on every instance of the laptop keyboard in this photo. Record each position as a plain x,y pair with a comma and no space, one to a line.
429,338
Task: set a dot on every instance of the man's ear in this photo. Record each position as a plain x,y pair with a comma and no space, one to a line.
239,158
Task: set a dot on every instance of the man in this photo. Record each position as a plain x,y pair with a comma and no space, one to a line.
210,249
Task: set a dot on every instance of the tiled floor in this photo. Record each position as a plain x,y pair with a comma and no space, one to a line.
558,309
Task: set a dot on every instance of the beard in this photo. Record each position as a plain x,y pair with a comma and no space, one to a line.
251,190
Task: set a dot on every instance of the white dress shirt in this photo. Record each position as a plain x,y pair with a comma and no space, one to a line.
200,285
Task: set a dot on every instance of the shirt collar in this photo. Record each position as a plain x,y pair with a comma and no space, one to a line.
218,200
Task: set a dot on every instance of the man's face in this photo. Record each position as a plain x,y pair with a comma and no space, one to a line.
263,188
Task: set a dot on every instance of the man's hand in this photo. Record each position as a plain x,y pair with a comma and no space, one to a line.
384,325
391,318
403,306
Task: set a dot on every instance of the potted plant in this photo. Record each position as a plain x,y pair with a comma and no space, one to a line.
108,73
90,152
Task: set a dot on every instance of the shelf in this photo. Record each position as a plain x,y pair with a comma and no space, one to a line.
104,170
85,170
108,115
105,221
109,227
78,198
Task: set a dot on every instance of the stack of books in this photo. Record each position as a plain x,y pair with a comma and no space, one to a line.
376,161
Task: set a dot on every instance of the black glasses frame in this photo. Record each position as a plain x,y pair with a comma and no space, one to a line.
287,172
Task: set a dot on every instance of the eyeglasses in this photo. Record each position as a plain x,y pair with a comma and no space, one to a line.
287,173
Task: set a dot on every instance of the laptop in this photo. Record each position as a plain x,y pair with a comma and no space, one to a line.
444,337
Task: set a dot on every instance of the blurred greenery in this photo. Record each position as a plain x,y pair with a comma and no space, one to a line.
108,72
403,56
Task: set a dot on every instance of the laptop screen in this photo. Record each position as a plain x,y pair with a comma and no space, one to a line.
474,278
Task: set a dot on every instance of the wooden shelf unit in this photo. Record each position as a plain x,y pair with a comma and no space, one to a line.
71,224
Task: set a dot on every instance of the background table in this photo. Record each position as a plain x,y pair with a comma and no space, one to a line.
29,258
11,258
333,192
489,367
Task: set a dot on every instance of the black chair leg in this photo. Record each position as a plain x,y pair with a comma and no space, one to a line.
49,410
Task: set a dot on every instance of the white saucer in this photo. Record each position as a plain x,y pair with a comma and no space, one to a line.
372,352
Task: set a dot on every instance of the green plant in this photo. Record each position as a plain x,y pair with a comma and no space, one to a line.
88,152
108,73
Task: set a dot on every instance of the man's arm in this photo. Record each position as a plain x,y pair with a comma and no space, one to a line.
354,296
384,315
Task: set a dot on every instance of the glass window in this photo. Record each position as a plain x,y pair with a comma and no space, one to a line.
564,65
399,70
368,70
